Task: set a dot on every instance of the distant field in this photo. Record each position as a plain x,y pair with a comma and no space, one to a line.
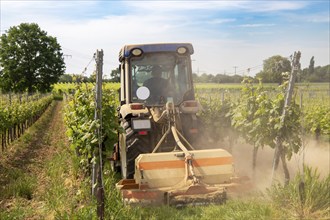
310,86
230,86
65,87
307,93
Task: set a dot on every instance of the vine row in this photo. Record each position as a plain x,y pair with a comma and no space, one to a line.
17,117
81,124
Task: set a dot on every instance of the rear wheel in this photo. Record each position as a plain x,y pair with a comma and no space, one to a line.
114,166
114,162
131,146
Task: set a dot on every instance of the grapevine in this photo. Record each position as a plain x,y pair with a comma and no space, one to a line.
16,117
81,125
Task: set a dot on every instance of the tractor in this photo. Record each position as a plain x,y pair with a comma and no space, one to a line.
159,152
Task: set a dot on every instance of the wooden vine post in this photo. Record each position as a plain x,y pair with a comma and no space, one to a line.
97,176
279,151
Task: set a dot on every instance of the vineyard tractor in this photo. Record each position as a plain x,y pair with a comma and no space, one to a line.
157,153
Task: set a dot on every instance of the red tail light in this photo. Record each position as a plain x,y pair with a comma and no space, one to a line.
193,130
137,106
143,132
190,104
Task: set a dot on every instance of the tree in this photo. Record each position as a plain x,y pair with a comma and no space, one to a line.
115,75
31,60
319,74
67,78
311,66
195,77
273,68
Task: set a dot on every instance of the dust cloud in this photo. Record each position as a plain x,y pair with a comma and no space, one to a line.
314,154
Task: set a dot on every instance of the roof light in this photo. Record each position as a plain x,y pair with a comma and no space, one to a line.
181,50
136,52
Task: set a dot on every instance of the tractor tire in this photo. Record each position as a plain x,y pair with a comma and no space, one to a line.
114,162
115,168
135,145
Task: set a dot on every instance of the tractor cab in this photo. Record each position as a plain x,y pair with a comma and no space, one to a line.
154,74
156,92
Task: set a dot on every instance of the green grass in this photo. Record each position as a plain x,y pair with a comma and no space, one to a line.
20,185
67,195
23,187
307,196
44,187
231,210
17,210
281,202
251,207
19,180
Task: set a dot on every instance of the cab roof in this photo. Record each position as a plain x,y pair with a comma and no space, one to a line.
160,47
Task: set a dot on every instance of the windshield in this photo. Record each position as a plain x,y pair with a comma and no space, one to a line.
164,74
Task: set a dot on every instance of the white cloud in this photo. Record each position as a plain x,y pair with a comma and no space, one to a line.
272,6
39,6
319,18
256,6
216,48
256,25
181,5
221,21
110,34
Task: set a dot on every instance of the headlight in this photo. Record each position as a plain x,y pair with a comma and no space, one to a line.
136,52
139,124
181,50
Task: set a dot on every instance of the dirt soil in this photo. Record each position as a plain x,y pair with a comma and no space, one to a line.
30,153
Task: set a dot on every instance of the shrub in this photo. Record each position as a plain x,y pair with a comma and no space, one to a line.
307,196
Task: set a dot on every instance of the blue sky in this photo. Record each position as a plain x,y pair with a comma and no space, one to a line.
224,33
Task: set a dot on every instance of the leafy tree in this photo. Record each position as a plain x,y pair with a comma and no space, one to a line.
66,78
115,75
311,66
31,60
195,77
319,74
219,78
273,68
206,78
323,73
92,78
